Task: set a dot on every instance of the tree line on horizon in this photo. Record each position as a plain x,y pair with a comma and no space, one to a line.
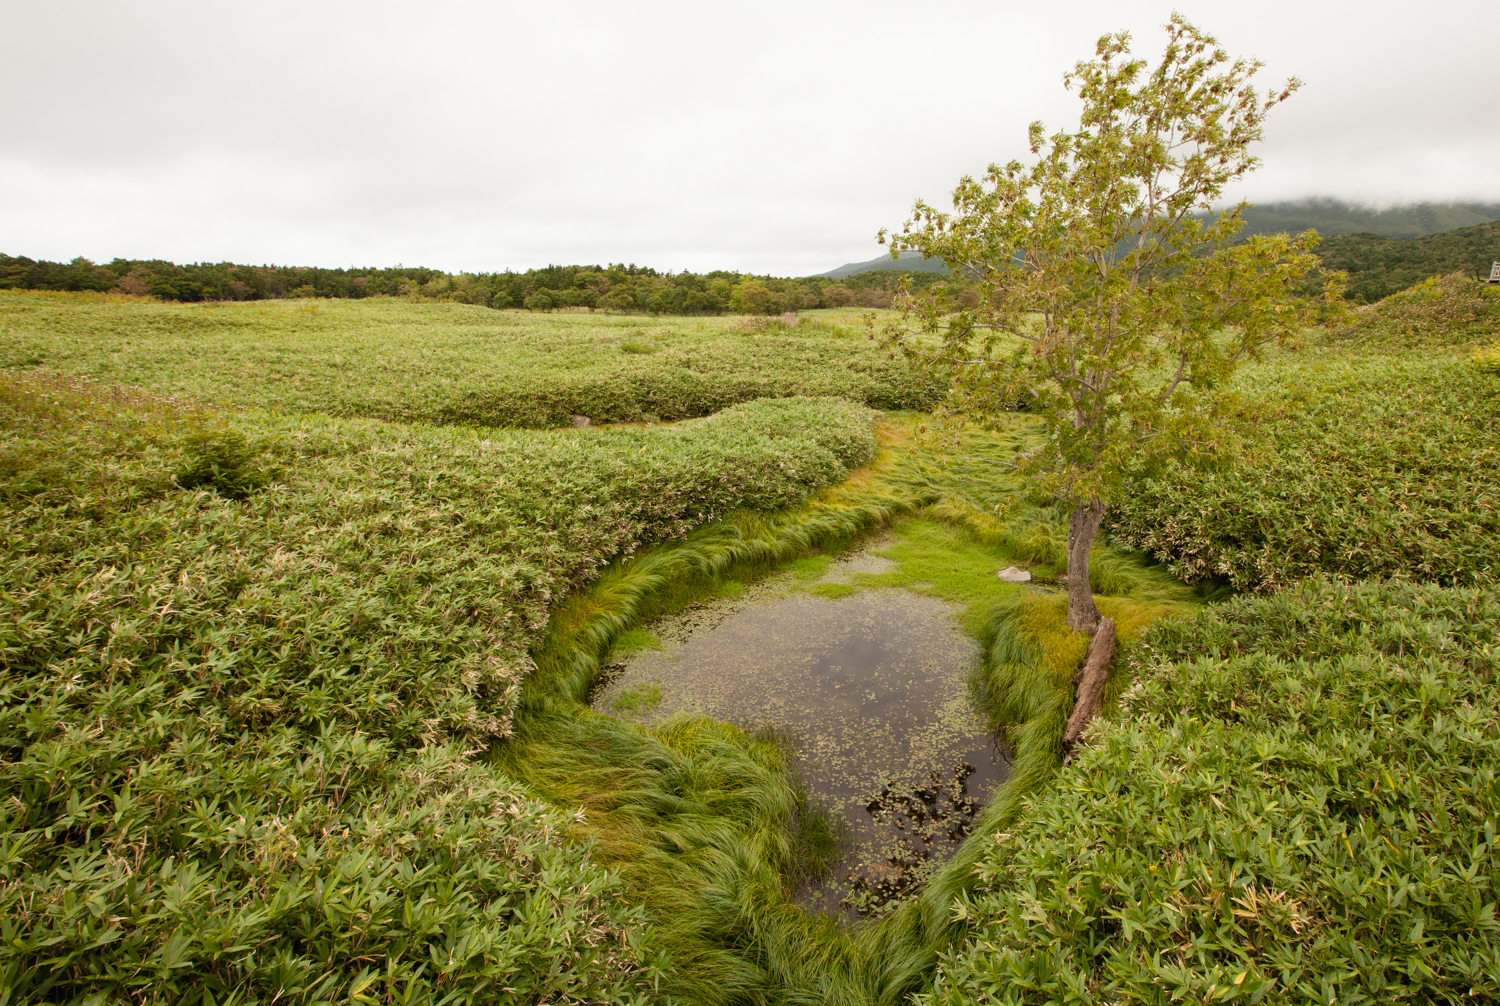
616,287
1378,266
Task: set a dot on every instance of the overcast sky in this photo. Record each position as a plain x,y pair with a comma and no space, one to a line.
766,137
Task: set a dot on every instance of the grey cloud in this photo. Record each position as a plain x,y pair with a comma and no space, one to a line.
777,137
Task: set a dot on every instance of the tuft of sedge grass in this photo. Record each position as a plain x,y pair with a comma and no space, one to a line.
634,701
1487,359
634,641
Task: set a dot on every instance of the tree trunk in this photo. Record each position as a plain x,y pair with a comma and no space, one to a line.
1083,526
1090,679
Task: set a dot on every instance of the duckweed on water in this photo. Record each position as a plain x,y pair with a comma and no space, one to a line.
636,700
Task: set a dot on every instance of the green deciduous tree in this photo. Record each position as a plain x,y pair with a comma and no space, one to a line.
751,296
1107,309
542,300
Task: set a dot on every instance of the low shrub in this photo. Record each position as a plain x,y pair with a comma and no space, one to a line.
223,461
1298,803
1451,310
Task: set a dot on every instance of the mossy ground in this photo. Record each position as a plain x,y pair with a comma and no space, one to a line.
936,559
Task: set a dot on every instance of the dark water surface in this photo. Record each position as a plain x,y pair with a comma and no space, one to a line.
873,690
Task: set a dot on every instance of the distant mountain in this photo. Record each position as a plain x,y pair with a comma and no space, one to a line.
1330,216
1382,250
909,262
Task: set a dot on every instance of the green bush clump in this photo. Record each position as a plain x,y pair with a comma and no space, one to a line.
451,363
1373,465
237,735
1298,803
224,461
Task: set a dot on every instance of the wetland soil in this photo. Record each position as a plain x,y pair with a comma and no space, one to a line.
872,690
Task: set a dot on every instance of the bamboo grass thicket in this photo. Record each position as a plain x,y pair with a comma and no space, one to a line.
239,726
452,363
1377,459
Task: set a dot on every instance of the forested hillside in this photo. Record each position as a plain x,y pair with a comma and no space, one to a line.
1380,266
908,262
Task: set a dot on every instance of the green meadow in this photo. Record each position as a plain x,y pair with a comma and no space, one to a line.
449,363
304,602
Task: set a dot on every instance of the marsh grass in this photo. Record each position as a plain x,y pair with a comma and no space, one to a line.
634,641
950,559
937,559
636,701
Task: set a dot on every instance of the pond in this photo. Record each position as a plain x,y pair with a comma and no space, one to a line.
872,690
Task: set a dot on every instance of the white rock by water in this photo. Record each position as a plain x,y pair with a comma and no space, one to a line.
1011,574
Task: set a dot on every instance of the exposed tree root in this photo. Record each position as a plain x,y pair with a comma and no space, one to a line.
1090,680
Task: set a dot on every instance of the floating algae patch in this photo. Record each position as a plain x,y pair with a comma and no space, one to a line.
872,689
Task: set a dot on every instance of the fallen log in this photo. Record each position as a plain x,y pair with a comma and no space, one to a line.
1090,680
